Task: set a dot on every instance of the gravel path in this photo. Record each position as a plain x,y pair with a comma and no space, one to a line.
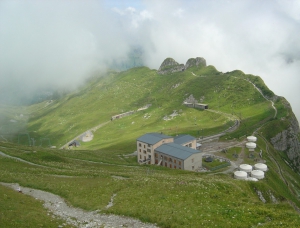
77,216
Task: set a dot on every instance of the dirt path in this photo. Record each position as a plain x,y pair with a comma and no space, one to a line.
211,147
76,216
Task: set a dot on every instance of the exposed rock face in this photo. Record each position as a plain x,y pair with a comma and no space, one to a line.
287,141
198,62
169,65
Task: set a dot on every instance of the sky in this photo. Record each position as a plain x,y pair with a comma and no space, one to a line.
59,43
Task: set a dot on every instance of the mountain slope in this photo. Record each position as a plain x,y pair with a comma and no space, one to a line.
170,198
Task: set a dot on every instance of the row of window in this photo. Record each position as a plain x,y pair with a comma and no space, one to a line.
148,150
149,157
170,165
140,145
189,145
165,158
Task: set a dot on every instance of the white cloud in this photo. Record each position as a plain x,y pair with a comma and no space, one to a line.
62,41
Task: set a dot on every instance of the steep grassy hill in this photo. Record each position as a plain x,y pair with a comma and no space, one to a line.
116,93
170,198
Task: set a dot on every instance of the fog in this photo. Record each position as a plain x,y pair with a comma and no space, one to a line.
60,43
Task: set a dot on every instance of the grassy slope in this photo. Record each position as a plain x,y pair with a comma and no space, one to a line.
170,198
120,92
19,210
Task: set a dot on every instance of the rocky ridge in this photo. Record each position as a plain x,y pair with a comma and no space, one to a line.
287,140
169,65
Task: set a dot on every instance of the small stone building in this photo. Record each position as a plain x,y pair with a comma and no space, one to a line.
201,106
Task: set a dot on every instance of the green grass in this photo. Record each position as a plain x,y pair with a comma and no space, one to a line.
114,93
20,210
170,198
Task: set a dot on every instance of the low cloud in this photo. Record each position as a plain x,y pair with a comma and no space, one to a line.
59,43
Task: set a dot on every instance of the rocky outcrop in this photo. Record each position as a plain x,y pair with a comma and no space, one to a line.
287,140
169,65
198,62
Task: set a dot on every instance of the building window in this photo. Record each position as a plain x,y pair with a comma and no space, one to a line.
144,151
156,155
170,159
149,145
148,150
144,157
175,161
144,146
179,163
140,150
140,144
192,160
171,166
192,167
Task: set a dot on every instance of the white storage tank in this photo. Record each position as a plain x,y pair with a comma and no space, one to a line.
251,138
261,166
251,145
245,167
241,175
258,174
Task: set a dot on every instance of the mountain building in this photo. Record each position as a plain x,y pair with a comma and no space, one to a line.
173,152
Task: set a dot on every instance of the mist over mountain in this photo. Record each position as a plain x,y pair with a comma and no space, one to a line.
58,44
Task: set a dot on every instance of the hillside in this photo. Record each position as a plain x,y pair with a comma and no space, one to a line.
102,169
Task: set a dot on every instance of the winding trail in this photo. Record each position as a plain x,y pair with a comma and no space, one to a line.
272,103
239,161
76,216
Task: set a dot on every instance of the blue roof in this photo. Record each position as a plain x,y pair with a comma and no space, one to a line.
181,139
177,151
152,138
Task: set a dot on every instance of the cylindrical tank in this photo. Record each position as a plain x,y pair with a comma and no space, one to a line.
241,175
245,167
258,174
251,138
251,145
261,166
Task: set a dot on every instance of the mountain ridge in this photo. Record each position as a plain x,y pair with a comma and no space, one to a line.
95,165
